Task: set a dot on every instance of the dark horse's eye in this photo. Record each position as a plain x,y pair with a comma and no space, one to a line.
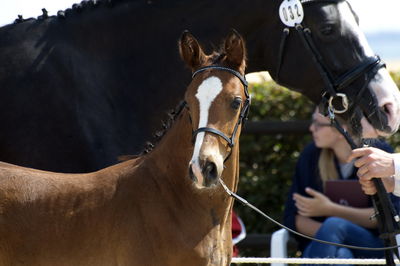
236,103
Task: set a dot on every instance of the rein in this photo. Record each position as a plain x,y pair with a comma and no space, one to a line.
385,213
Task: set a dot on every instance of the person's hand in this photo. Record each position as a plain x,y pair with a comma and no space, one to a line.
317,205
372,162
369,188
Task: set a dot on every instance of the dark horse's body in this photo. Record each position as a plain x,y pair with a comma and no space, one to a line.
80,91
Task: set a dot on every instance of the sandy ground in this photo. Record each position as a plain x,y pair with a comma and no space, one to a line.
259,77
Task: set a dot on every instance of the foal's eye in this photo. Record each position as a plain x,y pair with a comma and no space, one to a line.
236,103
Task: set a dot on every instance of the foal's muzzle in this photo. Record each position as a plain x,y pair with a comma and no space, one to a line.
204,172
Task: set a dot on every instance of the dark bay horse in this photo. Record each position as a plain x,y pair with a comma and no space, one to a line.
93,83
166,207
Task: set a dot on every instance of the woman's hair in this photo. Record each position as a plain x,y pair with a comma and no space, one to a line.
326,163
326,166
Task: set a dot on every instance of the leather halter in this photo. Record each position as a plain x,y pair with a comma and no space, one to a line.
243,113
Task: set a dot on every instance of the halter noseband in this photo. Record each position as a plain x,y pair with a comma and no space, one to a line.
243,113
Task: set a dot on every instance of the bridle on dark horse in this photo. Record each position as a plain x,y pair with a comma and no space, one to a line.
335,88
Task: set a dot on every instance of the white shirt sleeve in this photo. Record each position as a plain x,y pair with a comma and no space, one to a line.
396,161
396,190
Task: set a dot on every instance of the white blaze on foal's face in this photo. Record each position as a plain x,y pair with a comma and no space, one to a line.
208,90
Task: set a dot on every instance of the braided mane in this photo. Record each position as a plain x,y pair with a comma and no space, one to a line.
78,8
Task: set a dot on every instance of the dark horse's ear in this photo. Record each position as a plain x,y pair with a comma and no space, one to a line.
191,51
235,50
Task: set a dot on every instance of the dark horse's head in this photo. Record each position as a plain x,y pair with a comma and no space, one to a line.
218,101
324,36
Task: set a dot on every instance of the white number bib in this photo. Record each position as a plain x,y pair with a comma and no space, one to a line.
291,12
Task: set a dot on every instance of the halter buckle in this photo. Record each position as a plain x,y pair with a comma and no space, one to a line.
345,103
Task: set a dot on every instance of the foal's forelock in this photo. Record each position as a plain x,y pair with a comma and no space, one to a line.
207,92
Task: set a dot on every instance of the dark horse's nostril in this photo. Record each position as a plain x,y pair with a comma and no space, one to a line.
191,174
210,171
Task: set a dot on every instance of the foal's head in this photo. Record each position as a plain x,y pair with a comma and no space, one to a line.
217,99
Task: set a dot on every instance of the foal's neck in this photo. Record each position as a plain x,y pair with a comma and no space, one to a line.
172,154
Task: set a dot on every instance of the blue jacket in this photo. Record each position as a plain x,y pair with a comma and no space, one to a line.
307,175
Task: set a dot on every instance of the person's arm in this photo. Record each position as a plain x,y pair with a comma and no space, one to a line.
306,225
320,205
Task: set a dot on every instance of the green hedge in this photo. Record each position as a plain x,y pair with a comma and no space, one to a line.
267,162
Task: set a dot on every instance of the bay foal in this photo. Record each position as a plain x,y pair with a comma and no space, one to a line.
163,208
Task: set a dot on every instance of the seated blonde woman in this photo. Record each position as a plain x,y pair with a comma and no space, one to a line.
312,213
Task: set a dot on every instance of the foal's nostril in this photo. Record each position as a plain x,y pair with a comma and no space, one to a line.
210,171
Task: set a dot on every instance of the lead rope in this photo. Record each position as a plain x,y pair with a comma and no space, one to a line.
254,208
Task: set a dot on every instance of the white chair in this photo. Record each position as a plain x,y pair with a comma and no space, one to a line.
279,241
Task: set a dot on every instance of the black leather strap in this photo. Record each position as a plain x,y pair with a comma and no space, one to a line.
214,131
235,73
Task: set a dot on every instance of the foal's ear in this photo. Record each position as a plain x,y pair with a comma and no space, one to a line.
191,51
235,50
